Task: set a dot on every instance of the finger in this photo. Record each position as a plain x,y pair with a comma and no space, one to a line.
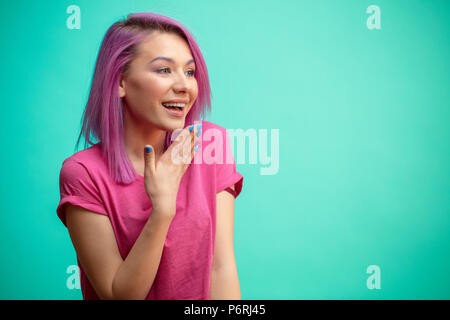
187,146
194,145
149,160
193,131
190,130
177,148
177,137
196,137
183,143
194,149
188,143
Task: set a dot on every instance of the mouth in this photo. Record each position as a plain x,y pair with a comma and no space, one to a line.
176,109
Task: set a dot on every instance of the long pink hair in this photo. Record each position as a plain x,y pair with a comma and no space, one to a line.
103,116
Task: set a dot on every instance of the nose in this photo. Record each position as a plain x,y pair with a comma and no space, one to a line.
181,83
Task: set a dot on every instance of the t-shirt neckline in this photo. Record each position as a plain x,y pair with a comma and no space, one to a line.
138,176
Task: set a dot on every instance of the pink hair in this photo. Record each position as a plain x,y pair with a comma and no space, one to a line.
103,116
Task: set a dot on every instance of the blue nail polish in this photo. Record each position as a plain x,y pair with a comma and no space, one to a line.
199,126
191,127
198,133
196,148
148,149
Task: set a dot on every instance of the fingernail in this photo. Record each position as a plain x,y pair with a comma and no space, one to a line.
148,149
191,127
199,126
196,148
199,133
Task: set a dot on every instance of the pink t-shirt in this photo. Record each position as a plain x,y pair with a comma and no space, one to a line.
184,270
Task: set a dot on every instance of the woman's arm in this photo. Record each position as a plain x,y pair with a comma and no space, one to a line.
96,247
224,277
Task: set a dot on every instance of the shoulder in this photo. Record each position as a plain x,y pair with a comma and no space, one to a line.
214,132
91,154
211,125
85,161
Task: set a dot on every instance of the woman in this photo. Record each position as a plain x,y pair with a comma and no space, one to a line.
147,217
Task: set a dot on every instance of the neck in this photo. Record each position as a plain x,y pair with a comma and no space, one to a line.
137,135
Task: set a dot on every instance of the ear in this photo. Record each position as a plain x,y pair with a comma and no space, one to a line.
122,87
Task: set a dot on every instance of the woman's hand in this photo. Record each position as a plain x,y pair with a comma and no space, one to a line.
162,179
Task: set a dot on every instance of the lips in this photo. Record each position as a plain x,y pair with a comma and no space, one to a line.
174,111
174,107
177,101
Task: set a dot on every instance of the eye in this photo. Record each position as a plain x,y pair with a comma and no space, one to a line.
192,72
159,71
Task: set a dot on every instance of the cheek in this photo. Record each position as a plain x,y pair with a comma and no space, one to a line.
195,89
154,83
148,89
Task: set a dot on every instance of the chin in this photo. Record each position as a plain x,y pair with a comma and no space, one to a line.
175,124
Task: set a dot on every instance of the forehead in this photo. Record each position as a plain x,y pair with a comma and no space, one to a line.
164,44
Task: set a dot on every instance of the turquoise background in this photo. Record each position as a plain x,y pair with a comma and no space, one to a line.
364,140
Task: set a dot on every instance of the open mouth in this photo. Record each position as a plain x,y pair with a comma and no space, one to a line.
172,107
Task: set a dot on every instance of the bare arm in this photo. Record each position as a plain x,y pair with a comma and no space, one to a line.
224,277
111,276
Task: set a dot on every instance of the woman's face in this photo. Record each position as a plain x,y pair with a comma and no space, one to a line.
149,82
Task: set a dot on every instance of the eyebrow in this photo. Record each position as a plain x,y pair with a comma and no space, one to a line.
170,60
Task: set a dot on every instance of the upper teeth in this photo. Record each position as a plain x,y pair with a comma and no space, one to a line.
180,105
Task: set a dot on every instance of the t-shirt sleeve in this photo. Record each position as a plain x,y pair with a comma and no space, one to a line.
78,188
226,174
